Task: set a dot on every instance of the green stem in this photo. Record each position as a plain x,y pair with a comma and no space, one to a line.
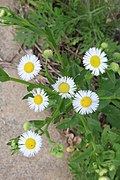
83,120
110,97
22,81
56,112
32,84
50,79
52,42
58,55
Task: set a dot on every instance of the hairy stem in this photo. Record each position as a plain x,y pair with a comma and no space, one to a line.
83,120
56,112
32,84
110,97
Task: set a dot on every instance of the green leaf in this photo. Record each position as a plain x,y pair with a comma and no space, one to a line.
57,150
103,104
27,96
94,124
108,136
37,123
107,155
81,156
4,76
50,38
47,134
69,122
117,92
113,115
59,154
64,124
116,103
105,84
111,76
14,151
31,87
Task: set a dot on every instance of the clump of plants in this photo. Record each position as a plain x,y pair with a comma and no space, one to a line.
83,90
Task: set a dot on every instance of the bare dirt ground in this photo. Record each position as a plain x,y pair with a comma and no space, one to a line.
14,112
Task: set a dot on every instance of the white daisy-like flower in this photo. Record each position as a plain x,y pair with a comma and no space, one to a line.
39,101
65,86
29,143
85,102
29,67
95,60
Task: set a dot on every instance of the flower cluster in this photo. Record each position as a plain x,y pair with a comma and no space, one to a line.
83,101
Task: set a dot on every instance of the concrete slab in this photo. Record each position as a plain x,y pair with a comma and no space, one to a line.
14,112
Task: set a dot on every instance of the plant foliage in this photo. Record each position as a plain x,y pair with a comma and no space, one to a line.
70,27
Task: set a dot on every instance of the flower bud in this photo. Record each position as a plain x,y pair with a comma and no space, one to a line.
27,126
13,143
97,171
48,53
104,178
104,45
114,66
116,55
102,171
9,14
112,168
2,12
94,165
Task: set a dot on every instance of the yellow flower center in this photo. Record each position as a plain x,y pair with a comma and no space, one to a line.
38,99
30,143
64,87
29,67
95,61
86,102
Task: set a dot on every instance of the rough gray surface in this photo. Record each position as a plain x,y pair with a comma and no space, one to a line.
14,112
8,52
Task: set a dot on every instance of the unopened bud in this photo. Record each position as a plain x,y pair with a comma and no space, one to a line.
9,14
48,53
13,143
2,12
27,126
112,168
114,66
104,45
116,55
102,172
104,178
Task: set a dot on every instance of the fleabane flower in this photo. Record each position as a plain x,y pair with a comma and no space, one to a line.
29,67
65,86
95,60
39,101
85,102
29,143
